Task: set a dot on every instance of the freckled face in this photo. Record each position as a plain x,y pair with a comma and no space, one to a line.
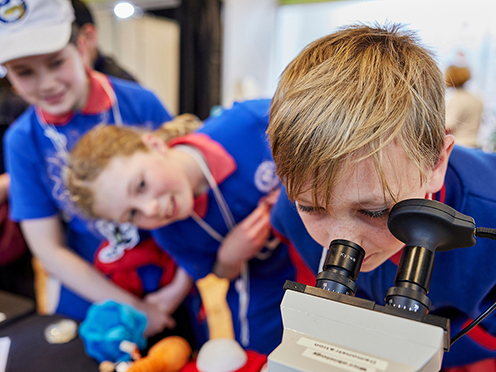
358,209
146,188
56,82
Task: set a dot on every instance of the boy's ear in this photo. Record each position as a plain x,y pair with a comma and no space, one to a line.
154,143
83,49
88,43
436,180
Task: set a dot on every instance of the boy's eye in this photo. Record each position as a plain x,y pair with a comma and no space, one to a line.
375,214
141,185
309,209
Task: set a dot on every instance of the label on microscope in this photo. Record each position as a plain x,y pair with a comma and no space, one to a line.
348,360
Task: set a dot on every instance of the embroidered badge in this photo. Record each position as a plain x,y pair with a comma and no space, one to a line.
266,178
120,237
12,10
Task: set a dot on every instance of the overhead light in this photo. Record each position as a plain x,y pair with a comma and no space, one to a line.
124,10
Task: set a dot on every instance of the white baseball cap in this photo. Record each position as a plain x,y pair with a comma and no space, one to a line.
32,27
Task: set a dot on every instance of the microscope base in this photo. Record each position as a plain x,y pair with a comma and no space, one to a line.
323,335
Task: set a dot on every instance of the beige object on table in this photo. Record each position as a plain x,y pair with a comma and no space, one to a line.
213,292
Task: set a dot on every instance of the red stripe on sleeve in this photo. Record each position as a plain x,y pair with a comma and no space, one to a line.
304,274
481,336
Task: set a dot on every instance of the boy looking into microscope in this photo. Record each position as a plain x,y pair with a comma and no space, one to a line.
357,124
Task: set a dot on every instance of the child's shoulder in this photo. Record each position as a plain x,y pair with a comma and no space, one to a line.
241,115
20,135
258,107
470,161
132,92
475,169
24,122
131,88
126,85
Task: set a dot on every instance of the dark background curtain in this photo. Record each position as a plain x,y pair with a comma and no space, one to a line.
200,54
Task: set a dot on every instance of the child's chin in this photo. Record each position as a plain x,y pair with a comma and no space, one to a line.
372,264
59,109
55,111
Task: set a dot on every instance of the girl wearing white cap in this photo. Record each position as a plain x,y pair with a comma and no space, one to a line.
43,57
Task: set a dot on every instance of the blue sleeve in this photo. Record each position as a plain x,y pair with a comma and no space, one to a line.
192,249
139,105
158,113
248,120
28,197
287,222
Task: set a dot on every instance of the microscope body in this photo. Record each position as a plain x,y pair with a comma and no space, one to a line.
326,328
328,331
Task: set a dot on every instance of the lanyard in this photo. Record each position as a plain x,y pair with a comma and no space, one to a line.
242,283
59,140
108,229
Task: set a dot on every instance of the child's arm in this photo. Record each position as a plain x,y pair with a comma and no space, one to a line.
4,186
46,239
169,297
243,243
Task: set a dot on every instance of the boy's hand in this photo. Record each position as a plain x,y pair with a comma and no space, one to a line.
163,299
243,242
157,319
270,199
169,297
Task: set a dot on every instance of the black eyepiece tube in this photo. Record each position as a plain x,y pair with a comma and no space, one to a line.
341,268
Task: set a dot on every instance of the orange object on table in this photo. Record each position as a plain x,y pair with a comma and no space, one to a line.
168,355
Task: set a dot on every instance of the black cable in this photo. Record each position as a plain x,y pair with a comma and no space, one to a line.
473,324
485,232
480,232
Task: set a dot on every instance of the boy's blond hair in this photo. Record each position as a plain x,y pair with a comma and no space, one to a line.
347,96
94,151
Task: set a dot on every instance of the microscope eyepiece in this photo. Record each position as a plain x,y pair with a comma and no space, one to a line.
425,226
341,268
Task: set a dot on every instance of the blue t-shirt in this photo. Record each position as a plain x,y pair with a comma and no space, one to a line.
463,280
241,132
36,153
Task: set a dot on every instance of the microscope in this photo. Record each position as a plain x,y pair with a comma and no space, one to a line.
327,329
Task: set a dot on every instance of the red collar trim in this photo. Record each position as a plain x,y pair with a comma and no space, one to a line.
99,100
442,194
396,257
219,161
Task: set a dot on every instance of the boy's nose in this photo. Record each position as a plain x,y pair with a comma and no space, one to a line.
150,208
344,229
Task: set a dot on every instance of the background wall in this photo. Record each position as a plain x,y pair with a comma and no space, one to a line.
147,47
248,45
457,31
260,37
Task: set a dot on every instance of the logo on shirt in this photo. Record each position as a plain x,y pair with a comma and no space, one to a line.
120,237
12,10
266,178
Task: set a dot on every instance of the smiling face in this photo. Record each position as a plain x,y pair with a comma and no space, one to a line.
147,188
55,82
359,209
